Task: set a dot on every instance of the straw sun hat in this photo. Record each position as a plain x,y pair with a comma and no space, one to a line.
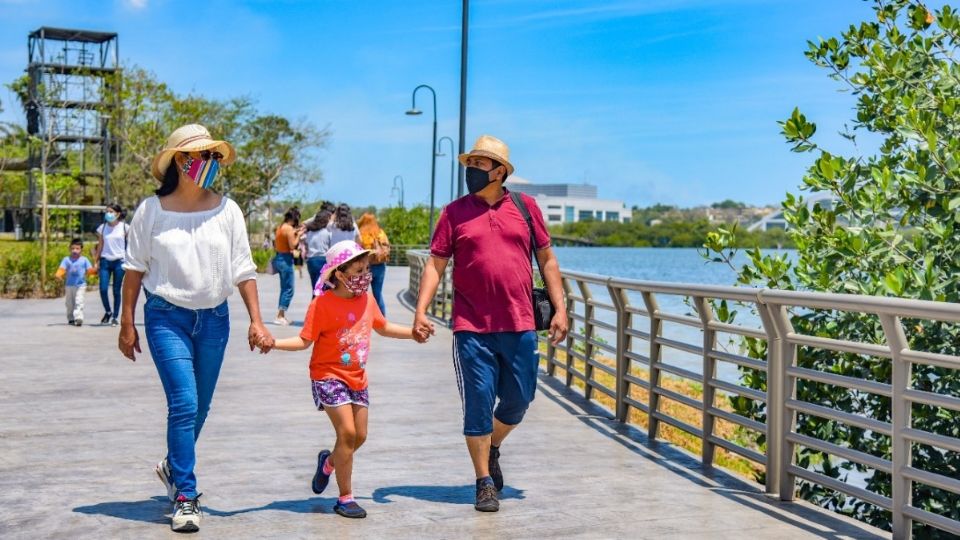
492,148
190,138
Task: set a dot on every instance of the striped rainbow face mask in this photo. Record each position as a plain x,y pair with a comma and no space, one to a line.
202,171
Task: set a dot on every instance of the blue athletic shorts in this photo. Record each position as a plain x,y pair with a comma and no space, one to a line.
497,365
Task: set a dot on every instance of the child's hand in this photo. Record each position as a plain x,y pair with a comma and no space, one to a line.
421,335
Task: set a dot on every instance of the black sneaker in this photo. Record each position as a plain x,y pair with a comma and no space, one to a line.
114,322
71,322
486,496
494,464
186,514
105,319
320,480
350,510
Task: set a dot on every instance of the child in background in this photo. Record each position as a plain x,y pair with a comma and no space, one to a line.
338,323
75,268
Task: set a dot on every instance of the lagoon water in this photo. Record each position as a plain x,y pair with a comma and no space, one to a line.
661,264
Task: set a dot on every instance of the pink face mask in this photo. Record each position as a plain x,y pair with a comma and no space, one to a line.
359,284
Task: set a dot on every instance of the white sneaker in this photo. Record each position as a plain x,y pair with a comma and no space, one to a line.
163,471
186,515
281,321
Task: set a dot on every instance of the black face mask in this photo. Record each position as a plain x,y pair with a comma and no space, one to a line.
477,179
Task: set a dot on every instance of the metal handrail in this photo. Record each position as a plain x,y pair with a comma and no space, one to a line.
583,350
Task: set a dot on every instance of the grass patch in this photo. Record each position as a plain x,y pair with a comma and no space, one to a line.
20,269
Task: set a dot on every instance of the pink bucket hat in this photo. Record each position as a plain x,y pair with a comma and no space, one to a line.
339,254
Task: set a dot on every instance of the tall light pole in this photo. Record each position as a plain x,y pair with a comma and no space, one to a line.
414,111
453,160
464,30
398,190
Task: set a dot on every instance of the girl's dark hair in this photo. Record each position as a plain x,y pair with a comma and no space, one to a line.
118,209
344,219
292,214
171,179
320,221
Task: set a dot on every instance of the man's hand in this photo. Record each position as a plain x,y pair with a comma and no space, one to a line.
129,341
259,336
558,327
422,328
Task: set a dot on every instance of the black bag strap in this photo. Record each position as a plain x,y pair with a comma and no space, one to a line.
522,206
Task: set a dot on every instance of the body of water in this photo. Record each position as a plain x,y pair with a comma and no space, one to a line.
684,265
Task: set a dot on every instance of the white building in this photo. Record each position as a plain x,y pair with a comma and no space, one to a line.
570,203
775,220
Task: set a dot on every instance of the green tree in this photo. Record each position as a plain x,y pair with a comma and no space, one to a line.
406,226
894,229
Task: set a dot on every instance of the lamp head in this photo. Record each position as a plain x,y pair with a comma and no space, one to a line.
414,112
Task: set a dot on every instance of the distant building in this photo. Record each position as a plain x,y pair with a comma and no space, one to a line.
570,203
775,220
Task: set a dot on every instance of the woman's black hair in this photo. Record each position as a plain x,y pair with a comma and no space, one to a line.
292,214
319,221
171,179
344,219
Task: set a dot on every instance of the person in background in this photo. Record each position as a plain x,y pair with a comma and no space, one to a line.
74,268
343,227
109,253
298,257
189,250
287,239
317,241
373,238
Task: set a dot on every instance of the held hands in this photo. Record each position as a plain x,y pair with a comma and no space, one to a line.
422,328
259,337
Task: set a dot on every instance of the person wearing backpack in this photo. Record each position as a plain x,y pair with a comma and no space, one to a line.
374,239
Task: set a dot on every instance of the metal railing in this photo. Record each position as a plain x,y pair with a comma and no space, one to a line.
618,328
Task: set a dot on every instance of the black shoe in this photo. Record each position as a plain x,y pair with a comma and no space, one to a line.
320,480
71,322
114,322
350,510
486,496
494,464
105,319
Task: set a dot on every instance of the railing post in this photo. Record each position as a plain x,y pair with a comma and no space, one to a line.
588,312
570,340
900,447
621,301
787,422
705,311
775,399
653,399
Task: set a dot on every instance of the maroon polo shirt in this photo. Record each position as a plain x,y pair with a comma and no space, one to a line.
492,271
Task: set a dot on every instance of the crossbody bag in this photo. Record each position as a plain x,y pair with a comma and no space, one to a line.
543,310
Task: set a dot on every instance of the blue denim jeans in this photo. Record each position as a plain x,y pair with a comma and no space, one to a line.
379,272
187,347
107,269
283,262
314,265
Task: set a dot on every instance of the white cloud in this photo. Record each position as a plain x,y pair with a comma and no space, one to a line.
136,4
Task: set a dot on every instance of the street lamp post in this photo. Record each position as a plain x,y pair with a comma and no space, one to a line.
453,160
398,190
433,145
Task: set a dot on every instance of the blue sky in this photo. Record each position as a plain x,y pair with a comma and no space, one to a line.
672,101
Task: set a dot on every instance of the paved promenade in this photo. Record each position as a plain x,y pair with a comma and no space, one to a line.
81,429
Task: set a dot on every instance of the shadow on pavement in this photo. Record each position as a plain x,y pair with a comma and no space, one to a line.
465,494
157,509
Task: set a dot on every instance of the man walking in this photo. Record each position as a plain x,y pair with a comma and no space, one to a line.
495,345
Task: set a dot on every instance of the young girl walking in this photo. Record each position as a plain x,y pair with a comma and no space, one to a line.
338,324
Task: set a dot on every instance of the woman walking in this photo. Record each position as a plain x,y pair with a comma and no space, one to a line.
317,240
188,247
287,240
109,253
373,238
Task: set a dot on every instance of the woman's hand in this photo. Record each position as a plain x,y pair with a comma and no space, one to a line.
259,336
129,341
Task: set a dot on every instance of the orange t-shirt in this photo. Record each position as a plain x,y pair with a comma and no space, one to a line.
340,331
282,243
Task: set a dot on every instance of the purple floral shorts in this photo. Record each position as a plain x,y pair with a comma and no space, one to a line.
334,392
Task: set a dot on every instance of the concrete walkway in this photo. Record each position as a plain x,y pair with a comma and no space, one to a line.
81,429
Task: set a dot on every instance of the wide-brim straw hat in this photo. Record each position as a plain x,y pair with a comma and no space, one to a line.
339,254
190,138
491,147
